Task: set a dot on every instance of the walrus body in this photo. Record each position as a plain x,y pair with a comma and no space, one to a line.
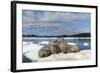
67,48
63,47
72,48
56,47
44,51
51,48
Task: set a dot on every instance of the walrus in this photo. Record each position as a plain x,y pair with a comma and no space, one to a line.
47,50
67,48
62,45
57,46
63,48
44,51
72,48
54,47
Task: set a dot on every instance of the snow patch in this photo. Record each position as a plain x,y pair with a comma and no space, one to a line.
31,52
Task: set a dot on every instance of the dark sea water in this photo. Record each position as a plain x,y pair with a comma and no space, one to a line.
82,43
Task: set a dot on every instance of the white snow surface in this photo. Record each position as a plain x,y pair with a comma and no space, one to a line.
30,50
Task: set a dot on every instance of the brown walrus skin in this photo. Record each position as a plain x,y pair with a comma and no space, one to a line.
44,51
62,45
47,50
72,48
56,47
67,48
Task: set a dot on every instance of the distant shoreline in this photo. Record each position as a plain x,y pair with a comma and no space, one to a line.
57,37
74,35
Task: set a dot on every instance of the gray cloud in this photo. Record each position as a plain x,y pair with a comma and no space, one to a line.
53,23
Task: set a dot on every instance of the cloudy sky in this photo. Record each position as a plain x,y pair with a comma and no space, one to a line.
53,23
